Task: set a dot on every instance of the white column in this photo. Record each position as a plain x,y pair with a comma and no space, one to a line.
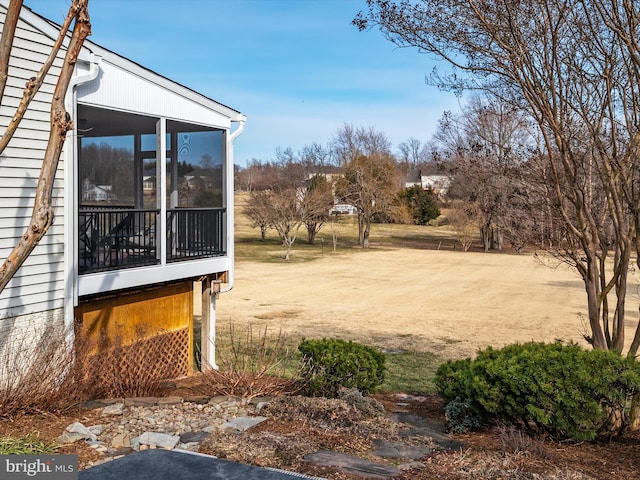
161,186
210,292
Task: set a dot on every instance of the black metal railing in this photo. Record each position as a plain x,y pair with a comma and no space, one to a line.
195,233
111,238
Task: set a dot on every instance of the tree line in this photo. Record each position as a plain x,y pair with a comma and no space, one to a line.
357,169
487,156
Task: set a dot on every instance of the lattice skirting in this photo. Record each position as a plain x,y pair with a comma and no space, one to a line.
162,356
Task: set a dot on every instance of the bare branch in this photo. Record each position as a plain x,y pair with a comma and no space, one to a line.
33,84
42,216
6,41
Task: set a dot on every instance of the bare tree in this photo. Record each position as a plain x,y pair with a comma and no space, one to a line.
43,213
463,218
484,147
258,210
315,157
286,216
414,152
351,142
286,209
370,183
573,67
316,202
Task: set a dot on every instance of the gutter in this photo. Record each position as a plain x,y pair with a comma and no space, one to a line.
230,200
93,61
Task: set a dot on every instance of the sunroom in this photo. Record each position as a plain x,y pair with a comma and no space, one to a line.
152,178
140,207
149,189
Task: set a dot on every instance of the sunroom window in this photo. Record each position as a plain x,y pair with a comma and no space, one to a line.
121,191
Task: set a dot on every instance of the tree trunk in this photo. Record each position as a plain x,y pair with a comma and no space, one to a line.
365,233
312,230
597,339
485,236
43,214
6,41
496,238
634,413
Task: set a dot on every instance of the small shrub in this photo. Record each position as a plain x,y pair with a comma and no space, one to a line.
252,365
514,441
561,389
28,445
461,418
32,369
332,364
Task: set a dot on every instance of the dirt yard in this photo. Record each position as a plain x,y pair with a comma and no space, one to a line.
445,302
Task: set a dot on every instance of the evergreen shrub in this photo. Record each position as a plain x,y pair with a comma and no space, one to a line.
558,388
332,364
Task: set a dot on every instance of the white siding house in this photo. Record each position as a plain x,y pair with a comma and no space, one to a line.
119,240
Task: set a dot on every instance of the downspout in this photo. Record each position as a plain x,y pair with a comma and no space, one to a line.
214,288
230,207
71,204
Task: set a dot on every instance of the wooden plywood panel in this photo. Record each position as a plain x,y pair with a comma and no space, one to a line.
124,319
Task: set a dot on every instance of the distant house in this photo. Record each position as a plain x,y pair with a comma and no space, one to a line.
343,209
121,256
413,179
97,193
438,183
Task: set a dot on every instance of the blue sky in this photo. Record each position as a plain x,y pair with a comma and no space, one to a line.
297,68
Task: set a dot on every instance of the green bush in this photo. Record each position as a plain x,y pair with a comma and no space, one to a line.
331,364
423,204
561,389
460,416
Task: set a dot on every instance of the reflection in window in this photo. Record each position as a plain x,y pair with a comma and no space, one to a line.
106,166
199,168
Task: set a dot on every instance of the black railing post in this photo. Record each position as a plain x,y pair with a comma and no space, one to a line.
197,233
116,237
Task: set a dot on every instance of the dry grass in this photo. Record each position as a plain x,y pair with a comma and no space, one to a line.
405,294
447,303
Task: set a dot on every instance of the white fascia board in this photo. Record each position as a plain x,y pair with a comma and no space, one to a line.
90,284
164,82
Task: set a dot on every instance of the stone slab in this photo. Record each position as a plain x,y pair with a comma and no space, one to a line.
141,401
189,437
199,399
114,409
77,427
387,449
427,428
160,440
241,424
352,465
